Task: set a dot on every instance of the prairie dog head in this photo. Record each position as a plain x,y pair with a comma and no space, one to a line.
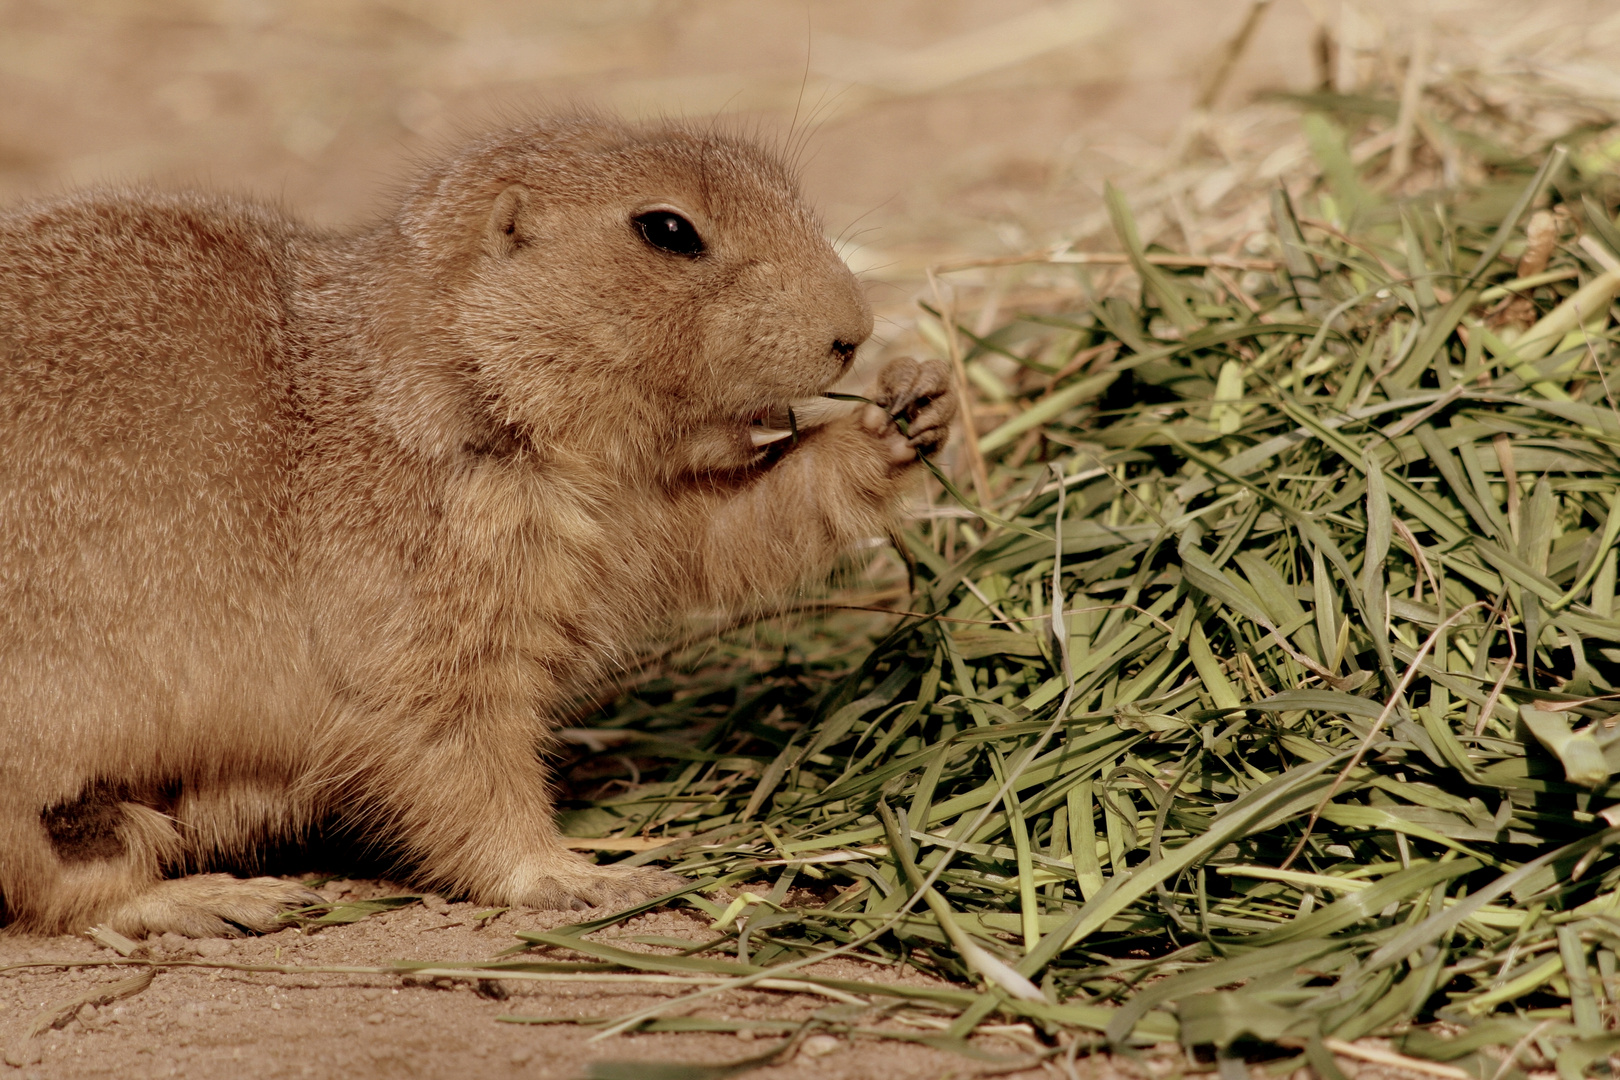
653,285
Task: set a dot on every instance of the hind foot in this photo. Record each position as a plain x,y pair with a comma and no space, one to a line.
210,905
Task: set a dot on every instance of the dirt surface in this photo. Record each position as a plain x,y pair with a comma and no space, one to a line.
930,129
201,1021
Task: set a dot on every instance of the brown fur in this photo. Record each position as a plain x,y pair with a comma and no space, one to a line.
298,527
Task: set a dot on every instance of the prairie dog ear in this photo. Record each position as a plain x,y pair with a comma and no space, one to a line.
505,234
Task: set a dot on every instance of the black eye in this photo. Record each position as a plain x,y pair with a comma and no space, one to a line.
668,231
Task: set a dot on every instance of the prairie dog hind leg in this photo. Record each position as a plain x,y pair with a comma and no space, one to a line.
99,857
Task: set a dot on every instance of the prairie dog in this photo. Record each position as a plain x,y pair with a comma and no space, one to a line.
298,526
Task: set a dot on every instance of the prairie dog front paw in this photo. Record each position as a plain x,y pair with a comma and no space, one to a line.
915,404
569,882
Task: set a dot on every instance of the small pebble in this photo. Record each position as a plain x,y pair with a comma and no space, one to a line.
436,904
212,948
522,1056
372,993
745,1034
375,1018
820,1045
491,989
26,1053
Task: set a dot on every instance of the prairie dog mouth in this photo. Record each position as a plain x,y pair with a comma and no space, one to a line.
763,436
785,421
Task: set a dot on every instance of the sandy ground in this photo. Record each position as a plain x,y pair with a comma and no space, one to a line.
934,128
206,1022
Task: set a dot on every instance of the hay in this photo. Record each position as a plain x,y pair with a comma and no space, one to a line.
1269,701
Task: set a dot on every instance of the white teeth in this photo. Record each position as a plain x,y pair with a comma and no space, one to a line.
766,436
803,414
813,412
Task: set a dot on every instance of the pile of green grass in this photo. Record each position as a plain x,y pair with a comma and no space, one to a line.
1272,701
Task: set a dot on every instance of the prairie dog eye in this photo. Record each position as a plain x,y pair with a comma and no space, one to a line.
669,231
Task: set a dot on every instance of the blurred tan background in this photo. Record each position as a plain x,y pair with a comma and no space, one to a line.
930,128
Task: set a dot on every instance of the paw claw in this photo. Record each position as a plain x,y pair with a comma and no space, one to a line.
918,400
576,888
211,905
